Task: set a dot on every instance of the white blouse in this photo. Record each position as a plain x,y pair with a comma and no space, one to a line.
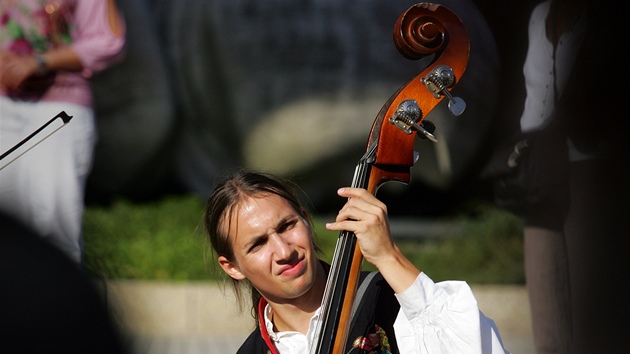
433,318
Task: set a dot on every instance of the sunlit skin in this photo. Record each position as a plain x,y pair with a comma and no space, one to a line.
366,216
273,249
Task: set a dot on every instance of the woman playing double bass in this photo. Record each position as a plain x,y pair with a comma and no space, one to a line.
263,240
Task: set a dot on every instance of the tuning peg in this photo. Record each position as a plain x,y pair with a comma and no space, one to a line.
425,133
455,104
438,81
405,118
427,130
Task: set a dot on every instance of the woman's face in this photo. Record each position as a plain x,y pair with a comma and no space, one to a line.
272,247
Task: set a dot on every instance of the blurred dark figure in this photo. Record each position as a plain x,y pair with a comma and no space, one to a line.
575,241
47,305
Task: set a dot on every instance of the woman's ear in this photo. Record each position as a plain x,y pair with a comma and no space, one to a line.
230,268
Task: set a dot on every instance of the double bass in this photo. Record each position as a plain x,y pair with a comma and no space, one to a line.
424,30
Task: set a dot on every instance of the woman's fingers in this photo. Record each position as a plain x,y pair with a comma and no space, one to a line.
365,216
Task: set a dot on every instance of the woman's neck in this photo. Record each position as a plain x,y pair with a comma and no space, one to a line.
296,314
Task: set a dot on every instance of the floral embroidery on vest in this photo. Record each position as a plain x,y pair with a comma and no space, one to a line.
374,343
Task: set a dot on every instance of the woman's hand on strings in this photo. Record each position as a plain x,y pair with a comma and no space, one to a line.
366,217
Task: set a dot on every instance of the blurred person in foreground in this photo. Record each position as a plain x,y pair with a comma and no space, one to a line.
47,304
49,50
575,242
263,239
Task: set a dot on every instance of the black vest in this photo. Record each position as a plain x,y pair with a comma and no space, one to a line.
377,306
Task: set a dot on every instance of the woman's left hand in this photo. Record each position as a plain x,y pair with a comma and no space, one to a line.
366,217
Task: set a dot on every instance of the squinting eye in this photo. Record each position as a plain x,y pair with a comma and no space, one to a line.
256,246
287,226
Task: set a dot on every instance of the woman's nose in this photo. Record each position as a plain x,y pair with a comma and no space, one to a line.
282,249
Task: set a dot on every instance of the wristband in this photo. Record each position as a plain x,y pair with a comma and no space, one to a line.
41,62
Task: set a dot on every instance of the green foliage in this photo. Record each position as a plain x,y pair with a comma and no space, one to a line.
489,250
165,241
161,240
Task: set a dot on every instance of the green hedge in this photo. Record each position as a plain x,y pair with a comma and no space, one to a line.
164,240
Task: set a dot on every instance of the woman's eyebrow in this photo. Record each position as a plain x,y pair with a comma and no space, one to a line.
254,240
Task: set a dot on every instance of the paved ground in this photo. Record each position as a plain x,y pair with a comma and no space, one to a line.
195,318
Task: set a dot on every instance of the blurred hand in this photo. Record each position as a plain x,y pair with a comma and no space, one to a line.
15,69
19,74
